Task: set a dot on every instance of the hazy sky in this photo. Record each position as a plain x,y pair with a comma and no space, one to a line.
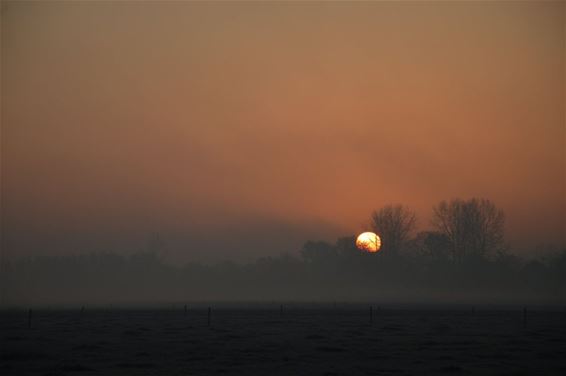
237,130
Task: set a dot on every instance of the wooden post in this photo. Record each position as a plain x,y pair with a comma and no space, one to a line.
29,319
371,315
209,316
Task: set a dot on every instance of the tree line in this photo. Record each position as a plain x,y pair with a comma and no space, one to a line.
463,230
463,258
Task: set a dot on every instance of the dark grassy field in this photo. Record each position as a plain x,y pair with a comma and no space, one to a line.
301,340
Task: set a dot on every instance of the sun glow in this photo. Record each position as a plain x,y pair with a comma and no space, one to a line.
368,241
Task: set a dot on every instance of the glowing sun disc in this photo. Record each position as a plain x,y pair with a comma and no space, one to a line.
368,241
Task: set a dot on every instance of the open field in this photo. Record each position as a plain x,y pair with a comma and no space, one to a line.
300,340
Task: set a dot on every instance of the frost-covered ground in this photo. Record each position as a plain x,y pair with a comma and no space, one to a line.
303,340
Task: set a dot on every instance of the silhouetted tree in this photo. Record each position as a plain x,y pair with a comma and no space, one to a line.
432,245
394,224
346,245
156,244
474,227
314,251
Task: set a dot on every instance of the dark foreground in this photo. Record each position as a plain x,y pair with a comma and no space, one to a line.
297,341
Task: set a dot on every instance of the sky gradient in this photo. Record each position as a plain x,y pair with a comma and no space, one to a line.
238,130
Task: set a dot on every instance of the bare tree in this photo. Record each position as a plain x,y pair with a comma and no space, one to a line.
156,245
474,227
314,251
431,245
394,224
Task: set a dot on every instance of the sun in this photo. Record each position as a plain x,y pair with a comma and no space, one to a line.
369,242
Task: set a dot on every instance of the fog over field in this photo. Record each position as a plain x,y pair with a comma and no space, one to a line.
323,273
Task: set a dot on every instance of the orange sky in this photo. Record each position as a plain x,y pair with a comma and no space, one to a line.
211,123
